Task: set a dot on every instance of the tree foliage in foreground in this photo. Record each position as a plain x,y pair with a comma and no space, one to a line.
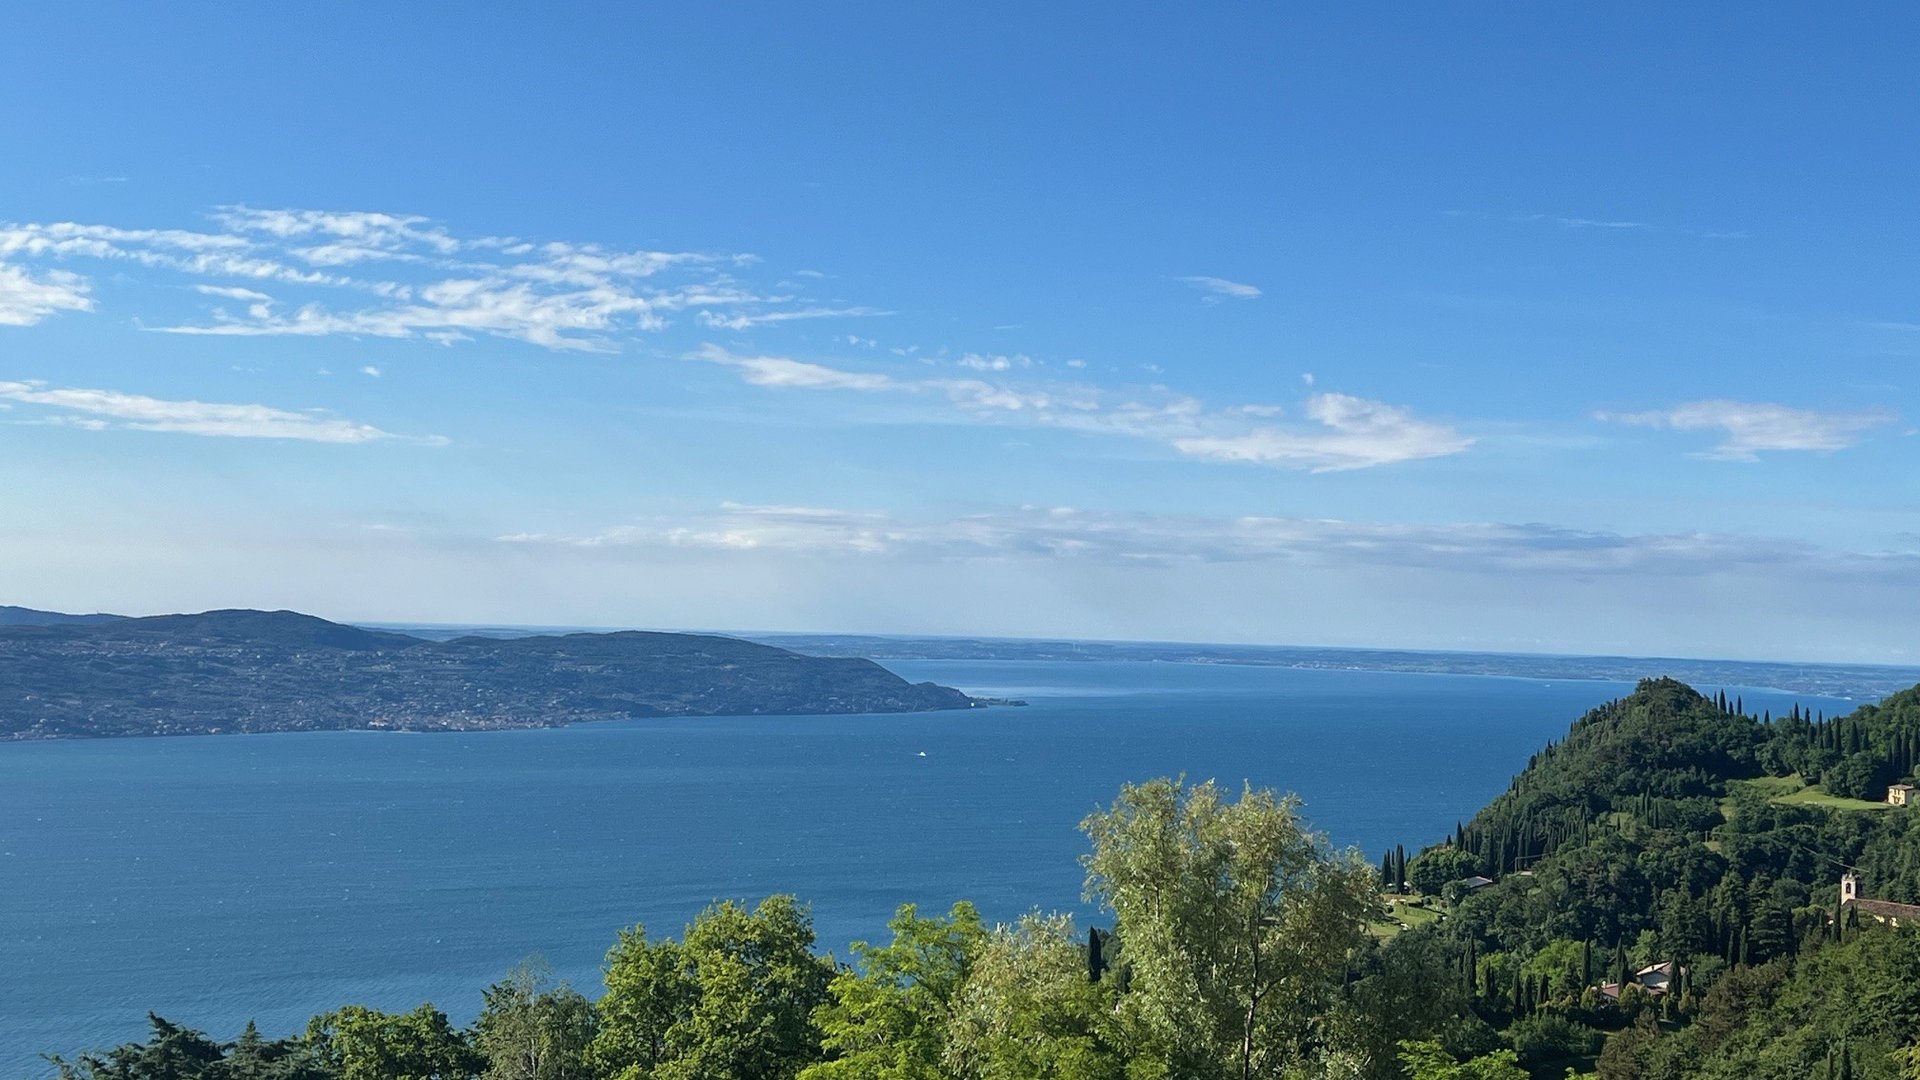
1237,923
887,1017
735,997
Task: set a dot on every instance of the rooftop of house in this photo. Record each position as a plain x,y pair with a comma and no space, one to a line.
1887,909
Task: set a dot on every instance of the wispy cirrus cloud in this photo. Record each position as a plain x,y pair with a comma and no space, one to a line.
786,372
234,292
1599,224
1217,289
26,299
101,410
998,362
1136,538
1749,428
1353,433
1567,221
308,273
1340,432
745,321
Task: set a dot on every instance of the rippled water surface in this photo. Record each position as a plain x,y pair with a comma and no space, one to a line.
219,878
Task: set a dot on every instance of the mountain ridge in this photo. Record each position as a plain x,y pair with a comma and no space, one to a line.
24,616
241,670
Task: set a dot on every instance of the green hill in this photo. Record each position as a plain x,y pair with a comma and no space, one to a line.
1670,827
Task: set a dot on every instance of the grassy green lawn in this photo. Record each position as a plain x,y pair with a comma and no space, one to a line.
1403,914
1793,791
1813,796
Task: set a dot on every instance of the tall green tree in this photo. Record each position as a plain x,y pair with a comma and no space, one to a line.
1429,1060
650,991
358,1043
1237,921
531,1029
172,1052
1431,871
1028,1011
734,999
888,1016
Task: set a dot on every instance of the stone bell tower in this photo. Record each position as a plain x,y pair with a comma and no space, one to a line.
1849,888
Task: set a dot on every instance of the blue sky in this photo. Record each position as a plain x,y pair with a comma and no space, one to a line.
1496,326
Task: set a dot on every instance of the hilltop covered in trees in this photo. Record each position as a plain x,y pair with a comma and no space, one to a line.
1640,905
1652,834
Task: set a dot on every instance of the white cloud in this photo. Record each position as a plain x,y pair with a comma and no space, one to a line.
403,276
365,231
1134,539
178,250
98,410
1751,428
25,299
370,371
1347,432
781,371
233,292
977,362
744,321
1354,433
1218,289
1568,222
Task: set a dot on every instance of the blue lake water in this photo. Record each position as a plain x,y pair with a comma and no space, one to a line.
219,878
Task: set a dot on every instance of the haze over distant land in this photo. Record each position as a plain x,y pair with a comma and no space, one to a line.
1852,681
19,616
257,671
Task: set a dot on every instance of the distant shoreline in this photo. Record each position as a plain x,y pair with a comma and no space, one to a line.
1861,681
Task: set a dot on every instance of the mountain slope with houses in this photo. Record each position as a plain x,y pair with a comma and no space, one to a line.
258,671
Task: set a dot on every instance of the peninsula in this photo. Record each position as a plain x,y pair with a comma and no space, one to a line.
261,671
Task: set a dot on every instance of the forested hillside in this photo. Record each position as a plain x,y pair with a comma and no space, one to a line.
255,671
1671,828
1656,897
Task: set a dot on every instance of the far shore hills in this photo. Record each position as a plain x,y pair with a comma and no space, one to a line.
89,676
94,675
1854,681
